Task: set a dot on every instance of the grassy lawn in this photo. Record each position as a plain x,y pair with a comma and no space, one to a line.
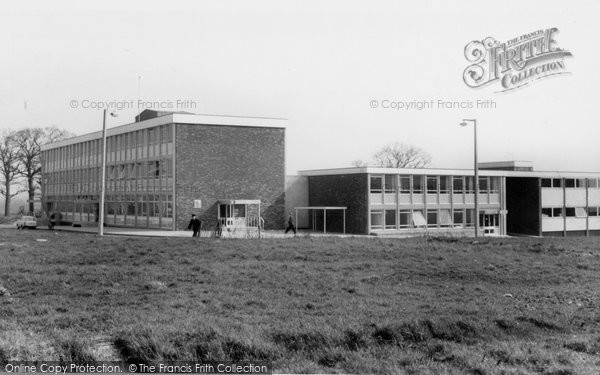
359,305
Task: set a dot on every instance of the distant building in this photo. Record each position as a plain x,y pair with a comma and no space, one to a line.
167,166
513,200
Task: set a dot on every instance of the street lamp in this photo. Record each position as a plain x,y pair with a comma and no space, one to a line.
476,168
103,181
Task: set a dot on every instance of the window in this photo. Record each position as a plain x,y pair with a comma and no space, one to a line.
592,183
417,184
405,184
593,211
556,182
376,184
432,184
484,185
470,217
445,184
458,183
445,218
469,185
546,182
570,211
546,212
404,217
418,219
569,183
432,218
390,183
494,184
580,212
458,218
580,183
376,220
390,219
557,212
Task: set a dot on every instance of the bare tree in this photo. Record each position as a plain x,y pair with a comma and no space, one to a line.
9,168
399,155
359,163
28,142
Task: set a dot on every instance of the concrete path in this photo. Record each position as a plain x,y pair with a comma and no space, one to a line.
113,231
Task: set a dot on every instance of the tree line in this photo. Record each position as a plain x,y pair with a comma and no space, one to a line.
20,161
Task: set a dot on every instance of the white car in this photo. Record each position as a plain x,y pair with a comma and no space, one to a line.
26,222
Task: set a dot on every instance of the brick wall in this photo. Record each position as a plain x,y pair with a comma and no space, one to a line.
350,190
229,162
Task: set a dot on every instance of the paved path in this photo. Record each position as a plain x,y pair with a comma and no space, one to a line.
179,233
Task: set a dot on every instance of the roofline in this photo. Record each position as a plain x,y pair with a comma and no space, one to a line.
177,118
447,172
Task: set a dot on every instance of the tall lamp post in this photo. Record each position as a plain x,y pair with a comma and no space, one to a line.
476,168
103,178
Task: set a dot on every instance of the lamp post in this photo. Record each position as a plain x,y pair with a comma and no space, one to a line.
476,169
103,178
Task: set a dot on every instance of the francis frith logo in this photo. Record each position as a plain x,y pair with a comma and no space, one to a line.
515,63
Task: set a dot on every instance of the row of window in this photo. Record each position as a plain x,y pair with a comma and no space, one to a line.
148,175
570,211
570,183
417,184
442,218
139,144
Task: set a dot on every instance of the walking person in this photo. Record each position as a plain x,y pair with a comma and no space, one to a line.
218,229
290,225
195,225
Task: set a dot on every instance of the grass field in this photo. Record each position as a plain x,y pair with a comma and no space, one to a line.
358,305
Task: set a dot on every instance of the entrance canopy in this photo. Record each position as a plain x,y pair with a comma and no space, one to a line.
324,209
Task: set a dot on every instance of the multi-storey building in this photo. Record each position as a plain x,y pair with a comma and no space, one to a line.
513,199
167,166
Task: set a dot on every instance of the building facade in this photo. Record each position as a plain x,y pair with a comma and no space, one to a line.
513,200
168,166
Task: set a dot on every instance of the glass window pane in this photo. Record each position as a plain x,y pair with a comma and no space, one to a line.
445,218
546,182
432,184
458,217
469,185
404,219
445,184
419,219
483,185
417,184
376,220
405,184
390,183
458,184
546,212
432,218
376,184
390,219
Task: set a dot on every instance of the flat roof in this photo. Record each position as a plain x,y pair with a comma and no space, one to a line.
321,208
177,118
446,172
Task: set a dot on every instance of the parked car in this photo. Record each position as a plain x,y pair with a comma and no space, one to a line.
26,222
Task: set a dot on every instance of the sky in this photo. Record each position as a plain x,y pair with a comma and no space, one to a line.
332,68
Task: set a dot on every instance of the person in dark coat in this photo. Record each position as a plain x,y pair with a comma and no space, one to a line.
52,221
290,225
195,225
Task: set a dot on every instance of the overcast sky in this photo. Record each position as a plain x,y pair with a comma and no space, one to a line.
319,64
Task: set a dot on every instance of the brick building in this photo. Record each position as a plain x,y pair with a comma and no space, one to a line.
167,166
513,199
